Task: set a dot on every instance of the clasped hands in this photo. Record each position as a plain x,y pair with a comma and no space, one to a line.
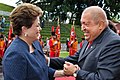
70,69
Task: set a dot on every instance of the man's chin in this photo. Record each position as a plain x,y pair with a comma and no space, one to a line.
86,38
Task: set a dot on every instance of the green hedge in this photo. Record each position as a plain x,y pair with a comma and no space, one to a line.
5,7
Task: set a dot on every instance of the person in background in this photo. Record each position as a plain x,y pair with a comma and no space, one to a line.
81,43
74,47
41,41
47,47
73,44
2,45
112,26
99,57
12,38
24,58
6,42
67,48
53,45
58,48
42,23
2,22
70,43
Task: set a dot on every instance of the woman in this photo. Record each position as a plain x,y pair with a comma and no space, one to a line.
24,58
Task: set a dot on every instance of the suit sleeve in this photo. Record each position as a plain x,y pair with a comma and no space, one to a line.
108,66
14,67
51,72
57,63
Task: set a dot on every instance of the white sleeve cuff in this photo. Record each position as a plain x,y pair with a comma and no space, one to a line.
48,61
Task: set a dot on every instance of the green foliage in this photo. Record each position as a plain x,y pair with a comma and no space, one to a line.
5,7
64,54
112,8
64,30
58,7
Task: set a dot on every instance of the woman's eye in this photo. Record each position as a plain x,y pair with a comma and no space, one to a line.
38,25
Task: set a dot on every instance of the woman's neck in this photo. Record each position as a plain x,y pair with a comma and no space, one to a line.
31,48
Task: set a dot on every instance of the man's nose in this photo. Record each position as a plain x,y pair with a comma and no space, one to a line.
82,27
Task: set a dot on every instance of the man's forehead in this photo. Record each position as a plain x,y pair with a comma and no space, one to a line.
86,20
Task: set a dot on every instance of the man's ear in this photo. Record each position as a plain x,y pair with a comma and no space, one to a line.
101,24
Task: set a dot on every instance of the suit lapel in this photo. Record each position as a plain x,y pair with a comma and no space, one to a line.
86,52
39,48
82,50
98,40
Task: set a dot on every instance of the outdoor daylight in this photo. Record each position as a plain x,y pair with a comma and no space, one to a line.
59,40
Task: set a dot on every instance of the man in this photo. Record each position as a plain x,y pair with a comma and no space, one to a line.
3,22
67,48
73,44
101,59
58,48
41,41
53,45
2,46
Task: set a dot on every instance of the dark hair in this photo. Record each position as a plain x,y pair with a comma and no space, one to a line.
1,36
82,37
24,15
53,34
12,35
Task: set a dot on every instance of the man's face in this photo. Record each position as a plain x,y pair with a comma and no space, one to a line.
54,37
89,27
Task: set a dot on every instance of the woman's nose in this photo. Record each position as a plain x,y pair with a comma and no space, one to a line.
40,28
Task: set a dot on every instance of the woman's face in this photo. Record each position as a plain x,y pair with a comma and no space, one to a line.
33,33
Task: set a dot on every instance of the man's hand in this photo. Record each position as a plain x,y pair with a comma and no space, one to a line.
72,42
69,68
59,73
55,43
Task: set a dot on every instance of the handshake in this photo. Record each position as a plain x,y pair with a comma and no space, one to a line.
68,70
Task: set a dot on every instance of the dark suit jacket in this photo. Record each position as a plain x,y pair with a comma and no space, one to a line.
100,62
19,64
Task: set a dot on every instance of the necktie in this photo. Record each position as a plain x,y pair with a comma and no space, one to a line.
88,46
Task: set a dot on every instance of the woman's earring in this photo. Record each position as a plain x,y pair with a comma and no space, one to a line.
25,34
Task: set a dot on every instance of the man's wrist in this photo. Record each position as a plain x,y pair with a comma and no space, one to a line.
59,73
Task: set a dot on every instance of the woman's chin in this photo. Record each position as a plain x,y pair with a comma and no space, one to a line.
37,38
